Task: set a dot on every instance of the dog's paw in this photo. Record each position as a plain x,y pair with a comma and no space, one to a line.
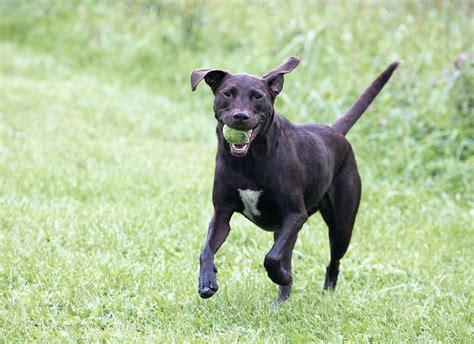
330,284
207,284
283,294
331,277
276,273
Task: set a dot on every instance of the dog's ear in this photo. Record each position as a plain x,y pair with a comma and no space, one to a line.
213,77
274,78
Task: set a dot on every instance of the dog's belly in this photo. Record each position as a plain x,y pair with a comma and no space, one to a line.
259,208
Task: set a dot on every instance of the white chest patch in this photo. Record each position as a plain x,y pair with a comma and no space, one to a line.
250,199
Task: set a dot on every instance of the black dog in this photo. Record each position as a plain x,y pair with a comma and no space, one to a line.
282,174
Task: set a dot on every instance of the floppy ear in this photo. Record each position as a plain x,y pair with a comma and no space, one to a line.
274,78
213,77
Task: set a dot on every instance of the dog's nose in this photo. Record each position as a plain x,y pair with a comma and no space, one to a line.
241,115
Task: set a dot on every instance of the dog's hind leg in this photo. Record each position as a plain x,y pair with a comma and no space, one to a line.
339,211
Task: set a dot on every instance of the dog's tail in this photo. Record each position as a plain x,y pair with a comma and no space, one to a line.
344,123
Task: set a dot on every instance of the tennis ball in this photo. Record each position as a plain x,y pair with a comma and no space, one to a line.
235,136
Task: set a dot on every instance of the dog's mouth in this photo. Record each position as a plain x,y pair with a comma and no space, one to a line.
240,150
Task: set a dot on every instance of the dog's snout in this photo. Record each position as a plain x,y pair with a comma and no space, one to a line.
241,115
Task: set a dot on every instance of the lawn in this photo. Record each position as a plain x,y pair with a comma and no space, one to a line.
107,157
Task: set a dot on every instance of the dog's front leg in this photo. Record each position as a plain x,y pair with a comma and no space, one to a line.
284,241
218,230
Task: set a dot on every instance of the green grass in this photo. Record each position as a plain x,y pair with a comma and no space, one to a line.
106,167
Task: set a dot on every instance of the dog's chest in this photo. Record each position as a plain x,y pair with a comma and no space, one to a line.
260,208
250,199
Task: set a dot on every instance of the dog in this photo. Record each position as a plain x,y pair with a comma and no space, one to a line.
282,173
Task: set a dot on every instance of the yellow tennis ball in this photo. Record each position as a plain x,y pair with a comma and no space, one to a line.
235,136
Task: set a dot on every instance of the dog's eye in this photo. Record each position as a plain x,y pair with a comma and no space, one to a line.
257,96
227,94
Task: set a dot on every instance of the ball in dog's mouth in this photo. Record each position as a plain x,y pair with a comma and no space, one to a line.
240,149
235,136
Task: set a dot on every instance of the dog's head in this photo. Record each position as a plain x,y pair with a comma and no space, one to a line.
244,101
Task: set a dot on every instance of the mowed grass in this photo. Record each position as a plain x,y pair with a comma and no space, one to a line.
106,168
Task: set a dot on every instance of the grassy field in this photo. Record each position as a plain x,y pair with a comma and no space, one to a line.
106,167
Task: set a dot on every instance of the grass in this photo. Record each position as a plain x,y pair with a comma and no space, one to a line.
106,166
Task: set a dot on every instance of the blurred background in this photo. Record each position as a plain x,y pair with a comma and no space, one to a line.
154,45
106,165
